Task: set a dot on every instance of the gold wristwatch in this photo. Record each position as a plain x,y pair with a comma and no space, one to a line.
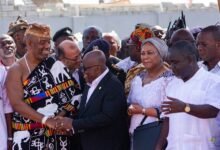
187,108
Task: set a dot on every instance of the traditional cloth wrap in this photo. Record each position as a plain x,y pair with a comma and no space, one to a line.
49,89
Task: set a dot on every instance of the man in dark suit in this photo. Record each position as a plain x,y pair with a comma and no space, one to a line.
102,116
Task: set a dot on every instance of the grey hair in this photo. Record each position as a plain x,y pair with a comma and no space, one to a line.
159,44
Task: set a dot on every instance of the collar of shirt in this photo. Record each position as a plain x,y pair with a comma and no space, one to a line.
98,79
94,84
75,75
216,69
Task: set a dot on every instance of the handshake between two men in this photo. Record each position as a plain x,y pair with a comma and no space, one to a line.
58,123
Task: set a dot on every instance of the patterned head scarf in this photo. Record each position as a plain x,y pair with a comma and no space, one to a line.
38,30
19,24
159,44
141,33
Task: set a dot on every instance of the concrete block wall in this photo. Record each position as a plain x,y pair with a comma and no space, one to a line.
122,19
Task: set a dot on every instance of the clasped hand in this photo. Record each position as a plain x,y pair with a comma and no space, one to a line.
59,123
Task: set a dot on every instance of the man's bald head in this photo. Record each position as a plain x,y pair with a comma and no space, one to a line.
67,47
93,65
95,56
181,34
69,53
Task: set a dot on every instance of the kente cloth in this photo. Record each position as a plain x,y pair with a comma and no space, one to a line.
131,74
48,89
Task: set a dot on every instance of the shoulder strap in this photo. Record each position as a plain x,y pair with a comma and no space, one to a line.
145,117
142,121
158,113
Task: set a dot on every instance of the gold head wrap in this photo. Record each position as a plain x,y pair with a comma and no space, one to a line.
38,30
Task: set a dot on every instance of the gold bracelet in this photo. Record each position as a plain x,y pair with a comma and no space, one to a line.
129,112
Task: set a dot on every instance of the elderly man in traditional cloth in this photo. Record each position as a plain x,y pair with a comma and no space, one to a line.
39,88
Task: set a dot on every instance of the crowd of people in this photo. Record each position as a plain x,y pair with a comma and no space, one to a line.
62,97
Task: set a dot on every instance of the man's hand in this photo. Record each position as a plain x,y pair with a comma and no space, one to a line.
64,123
53,123
10,144
173,106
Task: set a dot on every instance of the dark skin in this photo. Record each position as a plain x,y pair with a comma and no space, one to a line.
94,64
181,34
7,49
179,64
199,111
19,40
208,48
180,61
90,34
134,52
18,73
8,118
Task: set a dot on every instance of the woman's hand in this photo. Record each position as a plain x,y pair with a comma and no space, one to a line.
135,109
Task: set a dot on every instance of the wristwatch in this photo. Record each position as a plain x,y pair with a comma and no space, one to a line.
187,108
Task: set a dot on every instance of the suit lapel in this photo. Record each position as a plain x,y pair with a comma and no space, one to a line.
97,91
84,97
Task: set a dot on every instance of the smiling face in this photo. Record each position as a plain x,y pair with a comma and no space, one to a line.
150,56
7,47
39,46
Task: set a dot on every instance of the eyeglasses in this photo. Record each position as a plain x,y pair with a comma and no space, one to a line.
72,59
89,67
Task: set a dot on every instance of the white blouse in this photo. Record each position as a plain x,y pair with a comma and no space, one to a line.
148,96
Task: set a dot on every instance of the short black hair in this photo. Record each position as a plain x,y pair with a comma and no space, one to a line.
66,31
99,44
214,29
184,48
93,27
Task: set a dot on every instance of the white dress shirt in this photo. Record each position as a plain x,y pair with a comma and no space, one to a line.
126,64
95,83
215,70
5,108
75,75
187,132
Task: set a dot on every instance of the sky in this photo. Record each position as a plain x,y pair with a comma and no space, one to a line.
206,2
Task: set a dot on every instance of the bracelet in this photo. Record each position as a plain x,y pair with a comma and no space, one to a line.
129,112
44,119
143,111
10,139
